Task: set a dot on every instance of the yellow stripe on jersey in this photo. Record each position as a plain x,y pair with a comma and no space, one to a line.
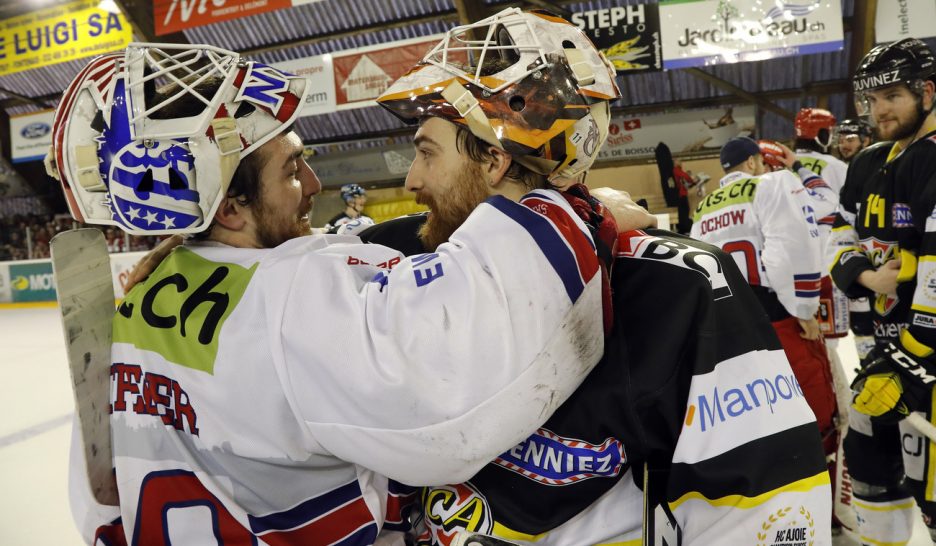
866,540
911,344
509,534
843,251
908,265
879,507
740,501
894,152
924,308
929,493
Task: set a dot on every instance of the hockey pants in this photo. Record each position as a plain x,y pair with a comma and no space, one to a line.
810,364
890,466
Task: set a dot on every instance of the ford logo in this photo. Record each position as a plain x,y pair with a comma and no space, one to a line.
36,130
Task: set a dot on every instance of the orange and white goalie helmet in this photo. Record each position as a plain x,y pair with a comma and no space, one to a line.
149,139
529,83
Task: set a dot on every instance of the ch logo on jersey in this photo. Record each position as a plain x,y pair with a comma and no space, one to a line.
264,86
452,508
550,459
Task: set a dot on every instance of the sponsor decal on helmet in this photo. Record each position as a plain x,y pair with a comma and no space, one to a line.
891,77
264,86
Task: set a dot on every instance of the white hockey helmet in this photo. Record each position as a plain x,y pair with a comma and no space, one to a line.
529,83
129,154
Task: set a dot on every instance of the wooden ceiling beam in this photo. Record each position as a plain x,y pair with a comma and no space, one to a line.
862,40
740,93
816,89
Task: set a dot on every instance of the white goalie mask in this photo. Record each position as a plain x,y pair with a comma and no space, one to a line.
149,139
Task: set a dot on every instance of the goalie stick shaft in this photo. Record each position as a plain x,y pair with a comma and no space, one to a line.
923,426
85,291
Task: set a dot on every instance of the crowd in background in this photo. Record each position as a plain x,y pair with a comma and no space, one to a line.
26,236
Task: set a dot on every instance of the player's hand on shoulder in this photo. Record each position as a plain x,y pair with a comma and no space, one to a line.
151,261
627,214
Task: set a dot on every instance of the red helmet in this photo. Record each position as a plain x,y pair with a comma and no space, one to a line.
810,121
772,154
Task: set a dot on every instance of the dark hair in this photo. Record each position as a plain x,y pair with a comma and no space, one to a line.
478,151
245,183
824,135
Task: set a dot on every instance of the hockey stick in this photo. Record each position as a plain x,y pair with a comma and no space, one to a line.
923,426
659,525
85,289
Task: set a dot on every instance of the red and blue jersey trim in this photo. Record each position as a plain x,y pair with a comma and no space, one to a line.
339,517
401,500
569,250
807,285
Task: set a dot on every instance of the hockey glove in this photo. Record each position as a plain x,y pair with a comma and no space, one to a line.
604,232
892,385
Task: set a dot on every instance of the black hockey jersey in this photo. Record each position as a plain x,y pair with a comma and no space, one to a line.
693,383
886,213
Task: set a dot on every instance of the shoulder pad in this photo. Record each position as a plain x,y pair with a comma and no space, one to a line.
876,150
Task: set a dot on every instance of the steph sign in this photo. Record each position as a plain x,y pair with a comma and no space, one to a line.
59,34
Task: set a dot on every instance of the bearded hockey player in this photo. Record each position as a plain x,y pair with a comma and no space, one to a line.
853,135
701,395
265,384
887,239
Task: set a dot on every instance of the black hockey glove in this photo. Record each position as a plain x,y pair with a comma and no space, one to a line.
891,385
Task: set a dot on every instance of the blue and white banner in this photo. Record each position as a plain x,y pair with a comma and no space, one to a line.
30,136
707,32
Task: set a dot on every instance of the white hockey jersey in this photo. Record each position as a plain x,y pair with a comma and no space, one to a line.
823,175
265,396
765,223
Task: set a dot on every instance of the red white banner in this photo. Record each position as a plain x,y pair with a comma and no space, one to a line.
362,74
176,15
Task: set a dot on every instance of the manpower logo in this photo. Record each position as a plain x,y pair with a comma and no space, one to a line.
720,405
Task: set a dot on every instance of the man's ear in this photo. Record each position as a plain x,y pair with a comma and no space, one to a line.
929,94
497,166
231,215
